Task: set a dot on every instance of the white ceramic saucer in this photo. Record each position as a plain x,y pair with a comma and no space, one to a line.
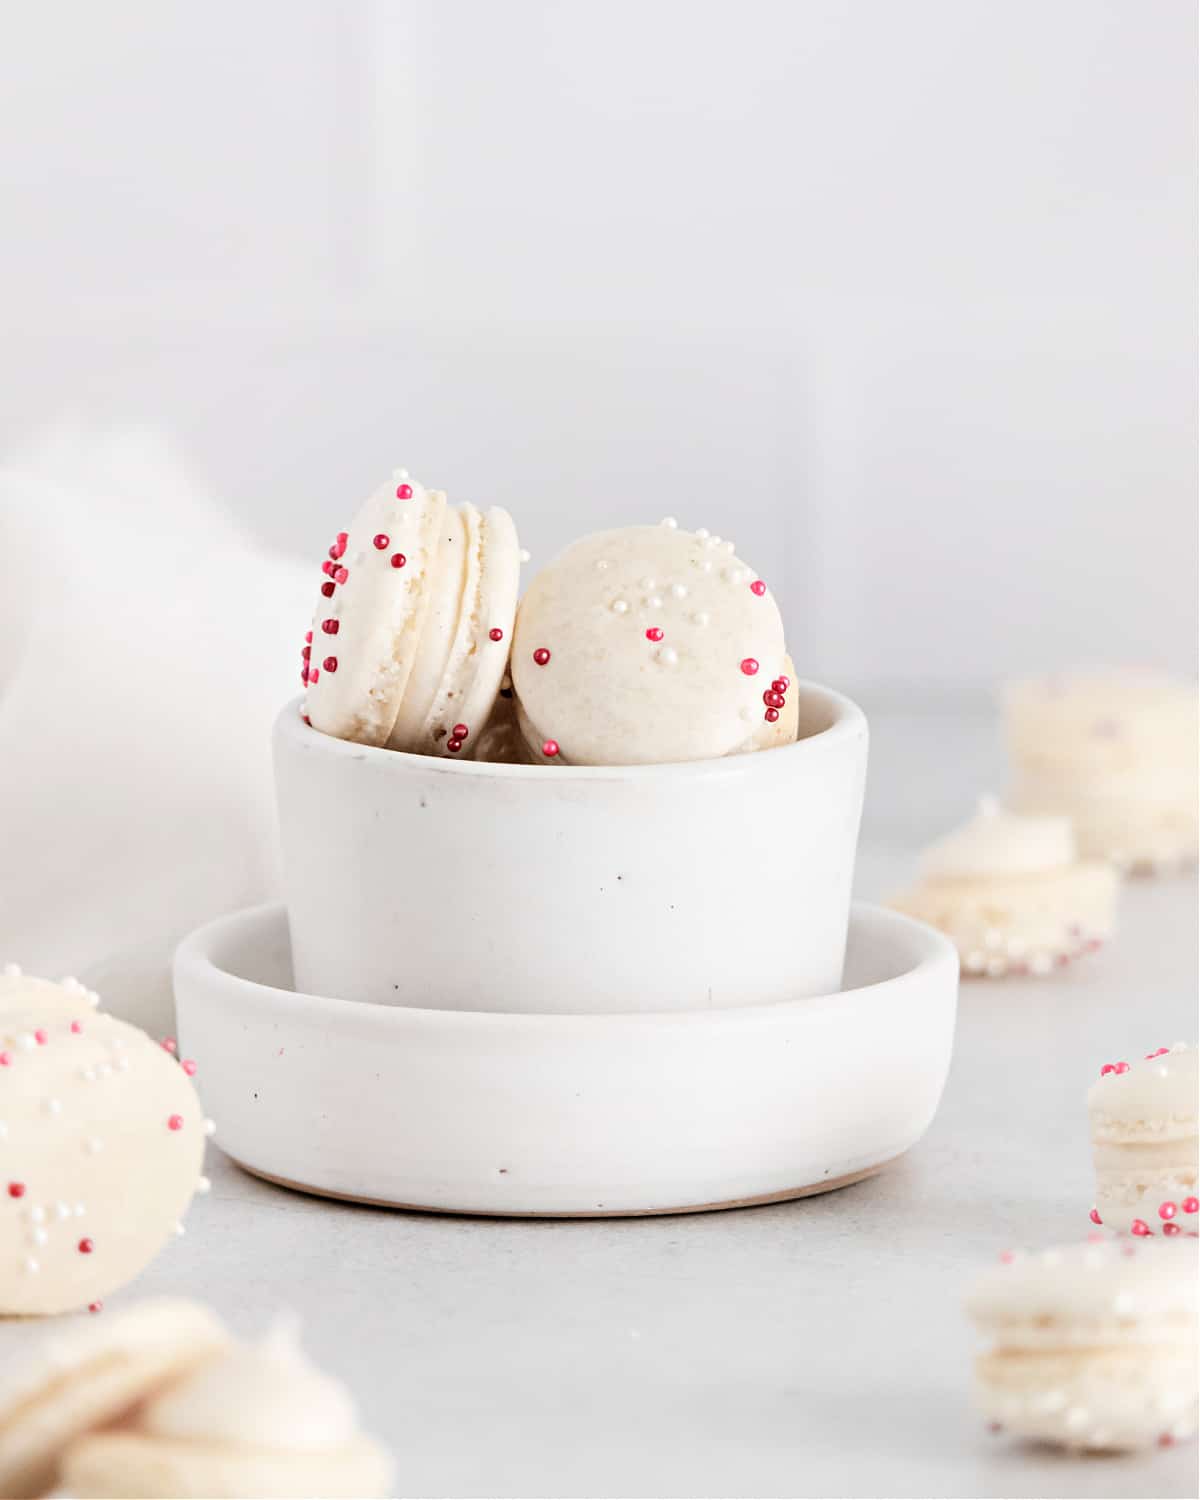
487,1113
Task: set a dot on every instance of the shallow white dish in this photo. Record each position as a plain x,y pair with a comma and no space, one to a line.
481,1112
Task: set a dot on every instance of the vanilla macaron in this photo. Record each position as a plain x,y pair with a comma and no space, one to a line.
1012,895
411,633
647,645
101,1147
1116,753
250,1422
82,1376
1092,1346
1144,1130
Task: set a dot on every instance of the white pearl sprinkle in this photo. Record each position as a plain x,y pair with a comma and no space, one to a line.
619,606
88,1075
38,1237
601,564
93,999
679,590
32,1265
701,617
72,985
669,522
702,534
524,554
652,601
121,1064
180,1230
667,655
706,567
36,1213
93,1145
1041,963
647,583
62,1210
210,1127
203,1185
12,971
79,1210
399,473
734,575
993,939
713,541
1179,1047
25,1041
53,1106
729,547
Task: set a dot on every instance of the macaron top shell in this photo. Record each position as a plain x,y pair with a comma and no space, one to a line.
646,645
996,843
1104,1294
371,611
1154,1099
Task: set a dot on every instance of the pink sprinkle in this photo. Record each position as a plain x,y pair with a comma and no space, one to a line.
1107,1068
1095,1216
40,1037
5,1059
404,492
86,1246
1007,1257
76,1028
1094,1238
654,633
495,634
541,656
189,1067
169,1044
1121,1067
1159,1053
460,731
327,588
1171,1229
771,715
550,748
758,587
95,1307
16,1190
175,1122
340,575
327,568
398,559
337,549
382,540
1140,1227
313,675
1167,1210
330,663
1191,1205
749,666
454,744
1165,1440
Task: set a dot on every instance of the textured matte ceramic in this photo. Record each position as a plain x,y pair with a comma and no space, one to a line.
418,881
525,1114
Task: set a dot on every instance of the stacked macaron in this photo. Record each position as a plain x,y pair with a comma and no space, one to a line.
101,1147
1092,1346
647,644
1012,894
1116,753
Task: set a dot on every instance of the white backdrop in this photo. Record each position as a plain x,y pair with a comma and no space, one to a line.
899,295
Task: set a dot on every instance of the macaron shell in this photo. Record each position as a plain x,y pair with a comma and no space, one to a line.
660,649
1145,1145
126,1465
101,1155
87,1374
479,662
366,632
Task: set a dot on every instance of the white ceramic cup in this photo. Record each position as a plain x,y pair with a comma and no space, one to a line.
453,885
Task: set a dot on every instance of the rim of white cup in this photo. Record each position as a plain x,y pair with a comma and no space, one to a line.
847,721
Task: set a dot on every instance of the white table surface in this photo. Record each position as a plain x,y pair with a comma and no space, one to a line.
813,1348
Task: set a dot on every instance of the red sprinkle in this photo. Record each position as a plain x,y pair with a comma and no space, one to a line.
758,587
382,540
495,634
330,663
1191,1205
95,1307
1167,1210
541,656
1095,1216
454,744
313,675
306,653
189,1067
308,637
327,588
773,699
460,731
327,568
654,633
86,1246
330,627
398,559
771,715
749,666
404,492
16,1190
784,683
1171,1229
340,575
1140,1227
550,748
175,1122
338,548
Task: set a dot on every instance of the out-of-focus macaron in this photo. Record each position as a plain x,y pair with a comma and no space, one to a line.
1143,1119
646,645
1116,753
1012,895
1092,1346
413,623
87,1375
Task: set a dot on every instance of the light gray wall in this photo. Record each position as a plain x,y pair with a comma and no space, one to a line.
898,293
